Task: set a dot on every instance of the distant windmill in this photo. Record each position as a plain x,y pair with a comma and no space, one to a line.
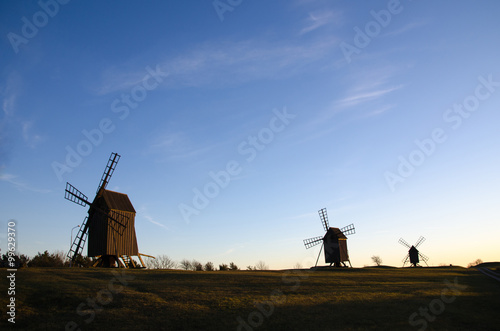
413,254
109,224
334,242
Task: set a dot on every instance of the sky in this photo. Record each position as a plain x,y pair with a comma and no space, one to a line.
236,121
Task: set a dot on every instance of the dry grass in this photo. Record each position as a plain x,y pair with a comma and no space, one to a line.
369,298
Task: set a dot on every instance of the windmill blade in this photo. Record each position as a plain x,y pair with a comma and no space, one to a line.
406,258
311,242
324,218
423,257
108,171
347,230
419,241
79,241
74,195
119,221
404,243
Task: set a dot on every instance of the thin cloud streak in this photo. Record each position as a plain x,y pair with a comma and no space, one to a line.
355,99
9,178
225,63
317,20
150,219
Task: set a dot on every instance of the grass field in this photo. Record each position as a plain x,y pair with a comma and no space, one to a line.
445,298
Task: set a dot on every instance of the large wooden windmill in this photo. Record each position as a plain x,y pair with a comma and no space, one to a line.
334,242
109,225
413,254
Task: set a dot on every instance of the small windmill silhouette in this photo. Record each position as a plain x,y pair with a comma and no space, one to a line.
413,254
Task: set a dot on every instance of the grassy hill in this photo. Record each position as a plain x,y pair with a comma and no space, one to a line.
368,298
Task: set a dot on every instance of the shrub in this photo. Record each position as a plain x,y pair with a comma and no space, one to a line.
209,266
48,260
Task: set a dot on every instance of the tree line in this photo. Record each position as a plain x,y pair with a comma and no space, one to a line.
59,259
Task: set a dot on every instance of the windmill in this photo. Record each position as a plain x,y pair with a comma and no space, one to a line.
334,242
109,224
413,254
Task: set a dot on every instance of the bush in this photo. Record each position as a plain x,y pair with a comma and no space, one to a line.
48,260
83,261
223,267
233,266
197,266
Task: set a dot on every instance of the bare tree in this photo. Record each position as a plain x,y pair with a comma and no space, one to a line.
297,266
160,262
475,263
377,260
186,264
223,267
151,263
233,266
261,265
165,262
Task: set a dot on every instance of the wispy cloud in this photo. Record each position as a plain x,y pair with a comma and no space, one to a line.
10,93
120,78
12,179
318,19
245,61
367,93
177,145
31,139
405,28
365,96
144,213
225,63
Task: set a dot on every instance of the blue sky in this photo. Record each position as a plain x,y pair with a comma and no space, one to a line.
237,123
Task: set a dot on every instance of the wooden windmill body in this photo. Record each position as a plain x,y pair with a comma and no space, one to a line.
109,226
334,242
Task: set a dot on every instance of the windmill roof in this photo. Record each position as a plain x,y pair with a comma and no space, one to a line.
117,201
338,233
